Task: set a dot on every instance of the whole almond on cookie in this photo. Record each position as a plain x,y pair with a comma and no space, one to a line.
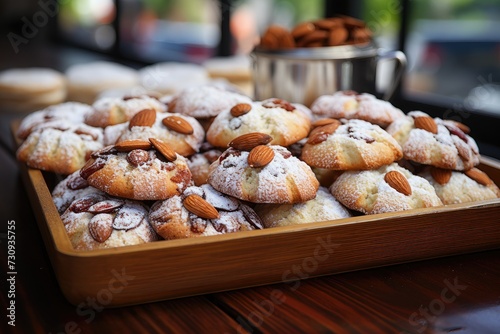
240,109
164,149
440,175
426,123
145,117
200,207
479,176
321,133
178,124
250,140
323,121
133,144
399,182
101,227
260,156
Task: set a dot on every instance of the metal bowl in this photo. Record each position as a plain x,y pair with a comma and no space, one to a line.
301,75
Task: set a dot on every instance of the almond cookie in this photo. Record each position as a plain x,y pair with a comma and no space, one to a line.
461,187
262,174
96,221
433,141
387,189
138,169
201,211
183,133
110,111
322,208
71,188
199,165
205,102
283,121
60,147
351,105
350,145
72,112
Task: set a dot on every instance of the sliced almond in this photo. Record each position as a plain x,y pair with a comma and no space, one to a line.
399,182
240,109
134,144
440,175
101,227
164,149
260,156
178,124
200,207
426,123
145,117
479,176
249,140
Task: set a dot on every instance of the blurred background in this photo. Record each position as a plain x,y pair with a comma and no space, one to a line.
453,46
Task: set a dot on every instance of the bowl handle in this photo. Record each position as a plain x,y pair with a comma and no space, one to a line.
400,58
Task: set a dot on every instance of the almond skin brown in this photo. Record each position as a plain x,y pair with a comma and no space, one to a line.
134,144
399,182
240,109
250,140
441,176
164,149
321,133
200,207
100,227
260,156
426,123
323,121
479,176
145,117
178,124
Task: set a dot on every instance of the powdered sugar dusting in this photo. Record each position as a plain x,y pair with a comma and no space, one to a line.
274,183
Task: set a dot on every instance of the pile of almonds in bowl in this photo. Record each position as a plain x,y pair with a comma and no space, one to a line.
334,31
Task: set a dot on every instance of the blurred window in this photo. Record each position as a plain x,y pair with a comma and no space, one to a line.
88,22
453,48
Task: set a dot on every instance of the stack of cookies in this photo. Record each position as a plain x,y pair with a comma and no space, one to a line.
29,89
208,160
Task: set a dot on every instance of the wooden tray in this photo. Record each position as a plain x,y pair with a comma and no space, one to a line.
171,269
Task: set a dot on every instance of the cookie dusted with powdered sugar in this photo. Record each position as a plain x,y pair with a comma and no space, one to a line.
387,189
201,211
138,169
283,121
109,110
60,147
97,221
351,105
322,208
205,101
350,145
252,171
73,112
435,142
183,133
461,187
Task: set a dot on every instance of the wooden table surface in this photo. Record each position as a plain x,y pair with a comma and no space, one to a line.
459,294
